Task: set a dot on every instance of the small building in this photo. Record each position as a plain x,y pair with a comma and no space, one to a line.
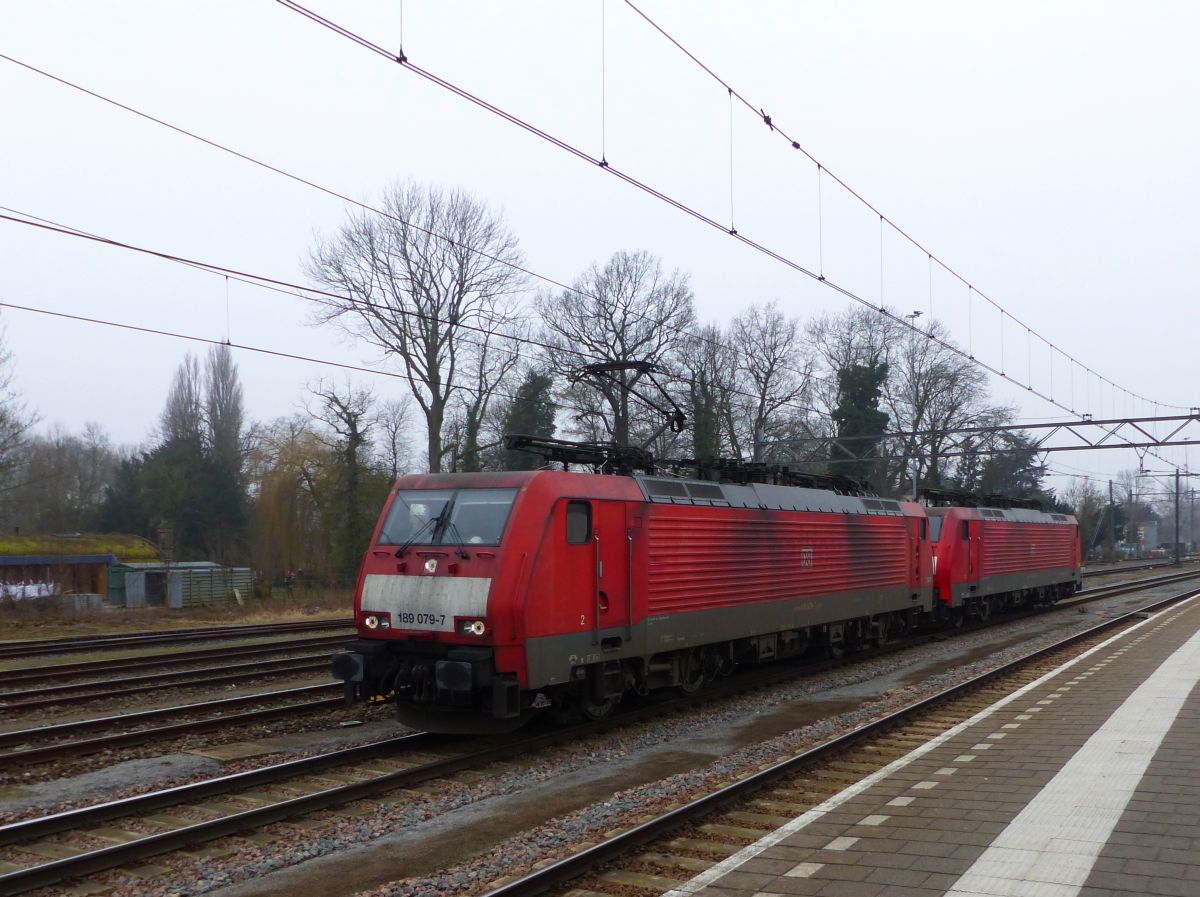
39,566
177,585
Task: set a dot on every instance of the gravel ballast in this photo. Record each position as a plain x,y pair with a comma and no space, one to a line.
500,823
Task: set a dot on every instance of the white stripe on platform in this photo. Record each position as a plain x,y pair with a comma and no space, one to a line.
704,879
1055,840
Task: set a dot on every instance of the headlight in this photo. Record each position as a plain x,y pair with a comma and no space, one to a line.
474,628
371,621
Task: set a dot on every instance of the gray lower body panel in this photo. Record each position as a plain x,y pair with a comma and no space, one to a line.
550,659
1015,582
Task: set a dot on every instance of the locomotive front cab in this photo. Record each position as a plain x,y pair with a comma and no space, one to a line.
951,532
426,607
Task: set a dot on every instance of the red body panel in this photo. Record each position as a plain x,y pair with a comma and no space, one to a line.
1014,547
700,558
995,549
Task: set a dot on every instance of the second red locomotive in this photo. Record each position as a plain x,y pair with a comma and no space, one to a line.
487,598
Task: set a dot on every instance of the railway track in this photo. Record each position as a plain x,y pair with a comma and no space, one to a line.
669,849
1123,588
82,644
368,766
59,695
1130,567
92,668
364,765
324,696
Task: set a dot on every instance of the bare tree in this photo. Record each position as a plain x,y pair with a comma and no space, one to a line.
347,414
15,423
932,389
1090,507
856,336
415,281
490,362
63,480
393,420
774,374
629,310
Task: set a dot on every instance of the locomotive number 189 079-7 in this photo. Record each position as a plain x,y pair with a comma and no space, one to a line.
422,618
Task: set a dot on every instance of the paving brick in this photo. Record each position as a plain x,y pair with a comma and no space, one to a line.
907,877
1174,887
953,815
851,889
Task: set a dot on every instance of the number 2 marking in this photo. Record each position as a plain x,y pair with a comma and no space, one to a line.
582,622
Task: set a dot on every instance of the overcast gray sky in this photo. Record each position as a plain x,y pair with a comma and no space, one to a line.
1046,151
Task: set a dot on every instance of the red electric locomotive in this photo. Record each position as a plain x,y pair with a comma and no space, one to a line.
485,598
990,559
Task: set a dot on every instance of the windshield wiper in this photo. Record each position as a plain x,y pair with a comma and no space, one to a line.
432,521
458,539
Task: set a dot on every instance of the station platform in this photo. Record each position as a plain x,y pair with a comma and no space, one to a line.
1084,782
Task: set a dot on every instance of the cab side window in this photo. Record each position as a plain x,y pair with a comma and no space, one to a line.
966,529
579,522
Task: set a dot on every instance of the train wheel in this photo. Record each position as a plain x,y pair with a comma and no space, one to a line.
983,609
888,628
691,673
597,710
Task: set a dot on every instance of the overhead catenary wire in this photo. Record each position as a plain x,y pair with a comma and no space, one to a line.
290,289
365,206
681,206
774,127
352,201
304,292
245,347
633,181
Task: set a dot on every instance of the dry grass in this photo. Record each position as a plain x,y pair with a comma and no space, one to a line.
48,618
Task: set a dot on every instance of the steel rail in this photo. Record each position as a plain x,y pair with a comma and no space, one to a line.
91,862
1122,588
78,644
560,873
137,736
132,685
1113,571
43,826
21,736
159,661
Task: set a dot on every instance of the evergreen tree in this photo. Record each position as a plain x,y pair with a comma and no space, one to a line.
706,423
860,423
125,508
192,484
226,459
530,412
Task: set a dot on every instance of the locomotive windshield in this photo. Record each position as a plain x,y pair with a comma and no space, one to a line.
935,529
447,516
